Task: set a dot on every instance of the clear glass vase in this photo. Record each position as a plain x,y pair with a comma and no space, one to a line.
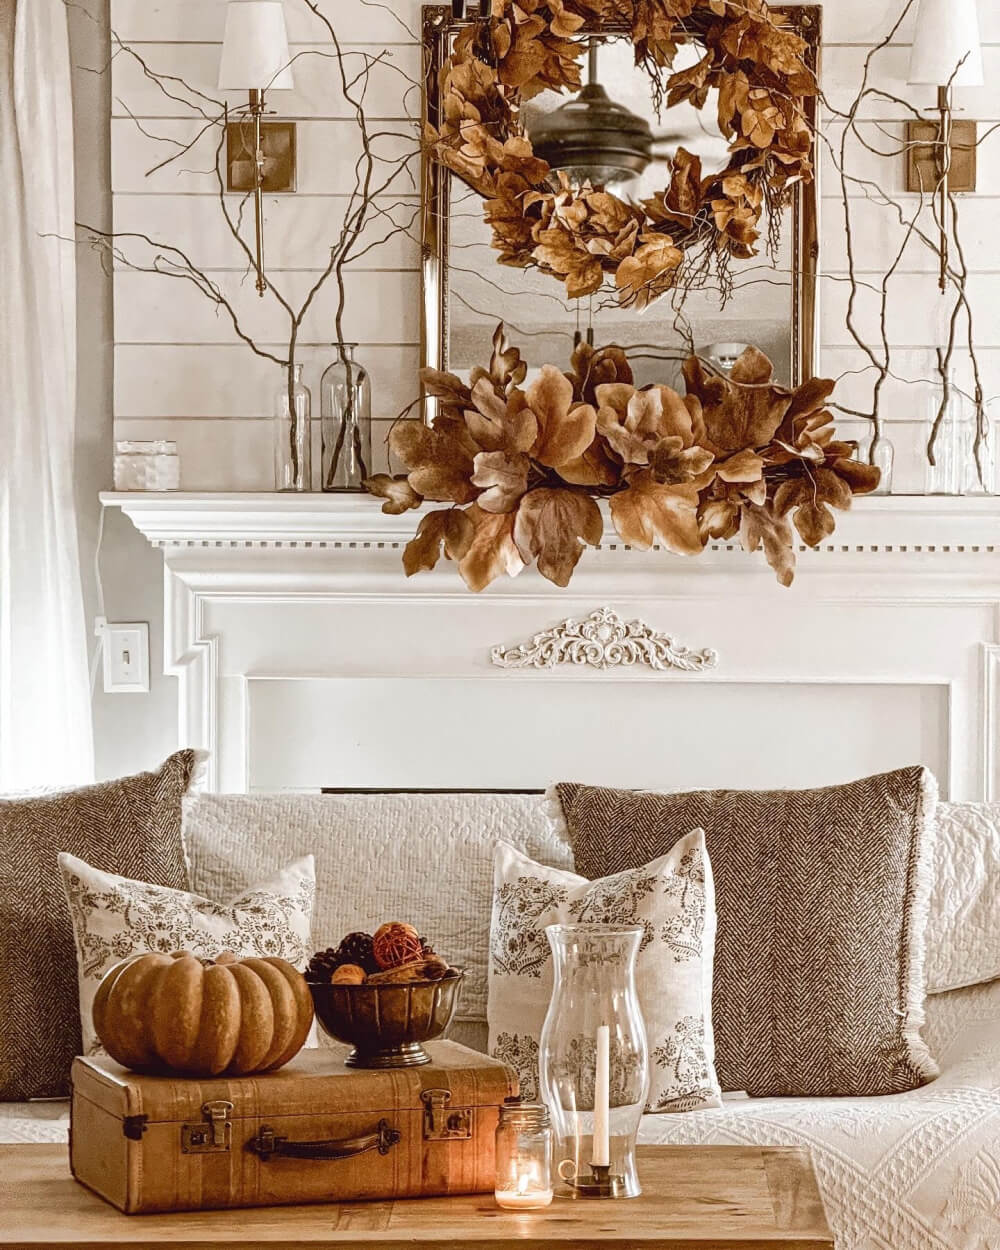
292,448
978,474
594,1060
882,454
946,475
346,405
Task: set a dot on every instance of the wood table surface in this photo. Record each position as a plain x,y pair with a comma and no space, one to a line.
694,1198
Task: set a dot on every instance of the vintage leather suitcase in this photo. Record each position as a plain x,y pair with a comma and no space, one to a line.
313,1132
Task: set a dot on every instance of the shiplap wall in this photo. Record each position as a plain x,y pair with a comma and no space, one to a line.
180,374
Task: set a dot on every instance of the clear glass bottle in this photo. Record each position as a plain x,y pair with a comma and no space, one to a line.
594,1060
978,477
346,406
523,1156
292,447
882,454
944,476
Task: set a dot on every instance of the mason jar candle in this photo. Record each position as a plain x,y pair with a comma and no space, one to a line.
523,1156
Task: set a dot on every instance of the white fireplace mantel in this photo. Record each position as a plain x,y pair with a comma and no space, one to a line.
900,524
305,657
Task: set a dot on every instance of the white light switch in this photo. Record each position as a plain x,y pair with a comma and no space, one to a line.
126,658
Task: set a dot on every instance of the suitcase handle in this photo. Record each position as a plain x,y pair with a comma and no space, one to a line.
267,1145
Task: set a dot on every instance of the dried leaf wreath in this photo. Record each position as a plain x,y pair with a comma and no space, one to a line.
526,46
523,468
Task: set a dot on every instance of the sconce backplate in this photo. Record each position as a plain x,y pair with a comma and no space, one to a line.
922,141
278,142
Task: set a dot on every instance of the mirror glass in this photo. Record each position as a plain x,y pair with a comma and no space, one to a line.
769,304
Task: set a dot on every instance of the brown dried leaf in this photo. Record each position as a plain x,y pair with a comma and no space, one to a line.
860,477
448,527
761,528
503,477
565,431
500,424
648,274
650,512
744,466
397,492
719,518
492,551
736,418
554,526
811,498
671,462
594,468
752,368
445,386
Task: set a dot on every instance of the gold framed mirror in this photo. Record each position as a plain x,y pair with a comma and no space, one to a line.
771,301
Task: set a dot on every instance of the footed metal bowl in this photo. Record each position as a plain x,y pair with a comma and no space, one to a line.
386,1024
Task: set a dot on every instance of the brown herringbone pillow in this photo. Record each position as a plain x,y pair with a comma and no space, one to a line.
822,898
131,827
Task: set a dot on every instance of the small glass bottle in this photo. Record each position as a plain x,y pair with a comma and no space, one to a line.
882,455
944,476
979,475
292,448
346,406
523,1156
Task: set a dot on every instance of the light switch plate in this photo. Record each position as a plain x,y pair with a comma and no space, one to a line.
126,658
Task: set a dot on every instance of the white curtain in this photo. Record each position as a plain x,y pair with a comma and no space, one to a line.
45,722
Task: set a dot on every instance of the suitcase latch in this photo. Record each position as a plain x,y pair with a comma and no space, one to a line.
441,1123
211,1135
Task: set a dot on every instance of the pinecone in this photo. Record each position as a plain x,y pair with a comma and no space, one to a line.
322,966
356,948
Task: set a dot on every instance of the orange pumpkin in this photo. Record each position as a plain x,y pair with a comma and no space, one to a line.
180,1013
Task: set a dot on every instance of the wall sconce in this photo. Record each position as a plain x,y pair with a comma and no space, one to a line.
946,53
255,58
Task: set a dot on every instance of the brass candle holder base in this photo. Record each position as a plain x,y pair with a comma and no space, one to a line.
599,1184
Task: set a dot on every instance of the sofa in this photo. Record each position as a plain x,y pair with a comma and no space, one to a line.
914,1171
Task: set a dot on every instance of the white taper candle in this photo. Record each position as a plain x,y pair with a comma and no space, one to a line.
601,1156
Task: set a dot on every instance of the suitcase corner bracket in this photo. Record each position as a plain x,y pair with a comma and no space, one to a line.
133,1126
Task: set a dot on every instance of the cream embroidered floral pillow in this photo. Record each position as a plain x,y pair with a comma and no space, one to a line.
114,917
673,900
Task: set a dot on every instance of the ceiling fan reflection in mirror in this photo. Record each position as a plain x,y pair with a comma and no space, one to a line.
594,139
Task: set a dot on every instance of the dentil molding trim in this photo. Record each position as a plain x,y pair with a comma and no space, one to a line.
603,640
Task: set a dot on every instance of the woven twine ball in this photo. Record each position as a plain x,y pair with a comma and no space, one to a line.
395,944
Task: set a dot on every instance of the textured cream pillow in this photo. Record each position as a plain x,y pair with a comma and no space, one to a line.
114,917
673,899
963,928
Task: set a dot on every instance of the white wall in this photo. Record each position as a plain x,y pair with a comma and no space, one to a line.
131,731
178,373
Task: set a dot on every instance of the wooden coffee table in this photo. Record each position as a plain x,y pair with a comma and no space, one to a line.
694,1198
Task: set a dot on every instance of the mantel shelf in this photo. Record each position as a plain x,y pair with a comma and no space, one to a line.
906,523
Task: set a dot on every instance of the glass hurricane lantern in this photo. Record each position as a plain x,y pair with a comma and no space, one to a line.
594,1060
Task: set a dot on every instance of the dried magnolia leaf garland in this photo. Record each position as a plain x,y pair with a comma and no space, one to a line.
749,54
522,466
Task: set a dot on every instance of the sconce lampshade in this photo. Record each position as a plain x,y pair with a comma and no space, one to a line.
255,54
946,31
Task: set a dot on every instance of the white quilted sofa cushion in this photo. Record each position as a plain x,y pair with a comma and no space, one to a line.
963,927
423,858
